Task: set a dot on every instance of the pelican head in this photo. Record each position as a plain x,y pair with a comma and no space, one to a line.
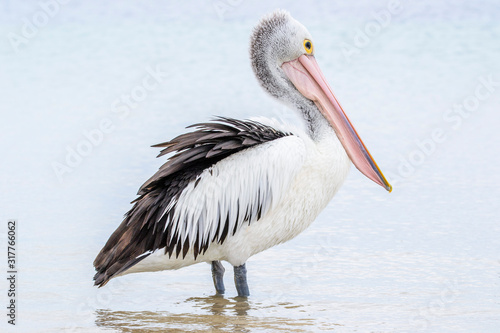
282,56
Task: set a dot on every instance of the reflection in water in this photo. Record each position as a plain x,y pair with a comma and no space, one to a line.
218,305
218,314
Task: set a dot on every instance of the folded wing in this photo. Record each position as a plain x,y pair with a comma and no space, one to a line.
222,175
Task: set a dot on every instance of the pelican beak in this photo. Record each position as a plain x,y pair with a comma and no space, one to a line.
306,76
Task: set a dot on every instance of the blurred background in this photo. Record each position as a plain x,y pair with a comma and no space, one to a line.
87,87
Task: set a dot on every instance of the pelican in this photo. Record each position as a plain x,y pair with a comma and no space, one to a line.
233,188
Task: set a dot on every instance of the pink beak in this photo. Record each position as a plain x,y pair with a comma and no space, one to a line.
306,76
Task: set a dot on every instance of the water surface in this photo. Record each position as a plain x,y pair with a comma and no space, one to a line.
423,258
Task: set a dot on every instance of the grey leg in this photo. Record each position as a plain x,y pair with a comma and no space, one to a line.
240,280
218,275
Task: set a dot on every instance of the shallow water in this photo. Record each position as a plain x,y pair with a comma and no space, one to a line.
423,258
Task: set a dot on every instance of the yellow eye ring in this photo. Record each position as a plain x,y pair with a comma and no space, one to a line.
308,46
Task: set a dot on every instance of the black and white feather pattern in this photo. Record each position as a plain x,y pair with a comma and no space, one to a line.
197,197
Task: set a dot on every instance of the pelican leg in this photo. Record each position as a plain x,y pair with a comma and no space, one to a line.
218,275
240,280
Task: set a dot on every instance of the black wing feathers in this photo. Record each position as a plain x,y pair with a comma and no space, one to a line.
144,228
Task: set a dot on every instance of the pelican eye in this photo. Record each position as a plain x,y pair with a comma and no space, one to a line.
308,46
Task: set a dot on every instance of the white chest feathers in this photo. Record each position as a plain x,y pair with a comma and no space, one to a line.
324,168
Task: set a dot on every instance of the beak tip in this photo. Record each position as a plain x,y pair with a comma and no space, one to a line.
388,187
